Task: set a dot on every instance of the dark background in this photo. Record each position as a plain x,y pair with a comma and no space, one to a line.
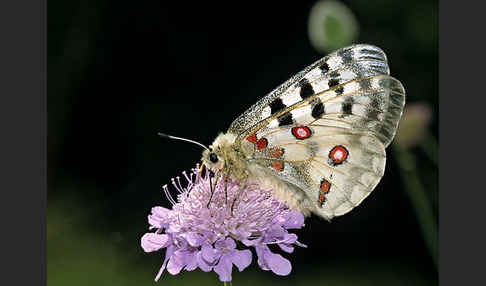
121,71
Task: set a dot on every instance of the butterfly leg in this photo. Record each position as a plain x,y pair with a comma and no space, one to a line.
201,169
226,187
212,186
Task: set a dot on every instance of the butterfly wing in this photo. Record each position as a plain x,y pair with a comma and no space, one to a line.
346,64
334,169
324,132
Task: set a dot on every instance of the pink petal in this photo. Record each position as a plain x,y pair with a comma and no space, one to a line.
230,243
253,242
223,268
168,254
202,263
161,270
241,259
286,247
278,264
160,211
261,250
294,220
158,218
300,244
191,260
153,242
194,239
276,231
209,253
290,238
176,262
227,243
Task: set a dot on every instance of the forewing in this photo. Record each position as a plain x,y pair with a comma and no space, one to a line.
371,104
346,64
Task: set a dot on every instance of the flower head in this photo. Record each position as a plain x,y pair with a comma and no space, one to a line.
215,234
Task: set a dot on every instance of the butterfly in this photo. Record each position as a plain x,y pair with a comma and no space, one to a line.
318,140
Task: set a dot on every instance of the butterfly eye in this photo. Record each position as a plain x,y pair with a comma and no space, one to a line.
213,158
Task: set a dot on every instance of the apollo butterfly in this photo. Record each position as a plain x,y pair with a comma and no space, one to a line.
318,140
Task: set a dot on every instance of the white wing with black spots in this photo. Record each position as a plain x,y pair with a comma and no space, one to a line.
319,139
344,65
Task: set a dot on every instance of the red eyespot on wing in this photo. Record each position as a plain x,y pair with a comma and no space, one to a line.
277,165
338,155
262,144
252,138
277,153
301,132
324,189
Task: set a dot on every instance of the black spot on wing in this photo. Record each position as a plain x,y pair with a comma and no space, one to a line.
347,107
285,119
306,89
339,90
334,74
346,55
276,106
317,110
333,82
324,67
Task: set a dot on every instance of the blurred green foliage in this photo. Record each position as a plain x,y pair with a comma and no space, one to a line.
331,26
76,255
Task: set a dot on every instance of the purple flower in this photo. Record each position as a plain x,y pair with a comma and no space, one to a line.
213,237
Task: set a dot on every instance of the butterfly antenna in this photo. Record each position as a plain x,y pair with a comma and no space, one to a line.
182,139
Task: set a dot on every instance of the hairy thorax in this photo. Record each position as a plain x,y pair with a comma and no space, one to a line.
232,157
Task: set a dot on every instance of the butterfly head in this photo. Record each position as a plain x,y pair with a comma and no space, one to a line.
220,153
213,159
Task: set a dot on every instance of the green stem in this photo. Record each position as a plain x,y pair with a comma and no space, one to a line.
431,148
419,200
